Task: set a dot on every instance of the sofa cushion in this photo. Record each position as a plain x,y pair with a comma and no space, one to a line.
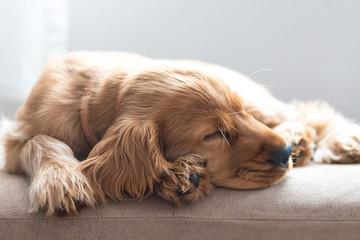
316,201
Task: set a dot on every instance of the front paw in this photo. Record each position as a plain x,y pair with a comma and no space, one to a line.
185,181
60,191
301,140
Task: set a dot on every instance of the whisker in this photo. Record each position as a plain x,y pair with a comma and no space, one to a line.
246,111
224,138
261,70
233,113
226,125
235,129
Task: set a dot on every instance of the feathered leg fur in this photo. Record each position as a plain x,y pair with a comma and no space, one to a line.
56,185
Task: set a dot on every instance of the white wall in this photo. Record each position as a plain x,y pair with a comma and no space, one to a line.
312,45
31,31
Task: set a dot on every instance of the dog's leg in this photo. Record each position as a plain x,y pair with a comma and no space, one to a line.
56,185
340,145
337,139
185,181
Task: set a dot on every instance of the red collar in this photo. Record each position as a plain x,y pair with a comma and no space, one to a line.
90,137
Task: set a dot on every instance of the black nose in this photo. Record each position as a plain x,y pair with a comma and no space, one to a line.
282,156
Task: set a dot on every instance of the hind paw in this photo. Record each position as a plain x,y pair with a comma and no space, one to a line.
341,145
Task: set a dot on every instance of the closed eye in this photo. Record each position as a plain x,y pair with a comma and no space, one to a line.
217,134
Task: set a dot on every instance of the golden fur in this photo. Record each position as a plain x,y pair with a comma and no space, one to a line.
159,122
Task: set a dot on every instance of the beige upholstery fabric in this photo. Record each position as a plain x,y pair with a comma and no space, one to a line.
313,202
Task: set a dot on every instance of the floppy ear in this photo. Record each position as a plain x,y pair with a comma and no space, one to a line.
126,162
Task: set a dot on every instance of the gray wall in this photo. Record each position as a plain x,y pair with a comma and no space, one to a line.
313,45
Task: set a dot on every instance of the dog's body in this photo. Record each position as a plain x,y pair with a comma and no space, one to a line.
170,127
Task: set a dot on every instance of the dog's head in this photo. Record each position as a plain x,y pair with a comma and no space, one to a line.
167,113
206,118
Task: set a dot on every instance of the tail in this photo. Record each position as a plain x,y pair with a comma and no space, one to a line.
5,126
12,140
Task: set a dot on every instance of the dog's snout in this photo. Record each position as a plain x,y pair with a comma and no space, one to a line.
282,156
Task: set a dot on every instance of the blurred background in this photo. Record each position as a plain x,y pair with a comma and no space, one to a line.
302,50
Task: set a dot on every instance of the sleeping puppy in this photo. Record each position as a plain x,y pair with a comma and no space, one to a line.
100,126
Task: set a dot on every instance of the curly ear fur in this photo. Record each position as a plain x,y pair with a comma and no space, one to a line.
126,162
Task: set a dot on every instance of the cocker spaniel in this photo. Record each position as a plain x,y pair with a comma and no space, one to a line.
100,126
